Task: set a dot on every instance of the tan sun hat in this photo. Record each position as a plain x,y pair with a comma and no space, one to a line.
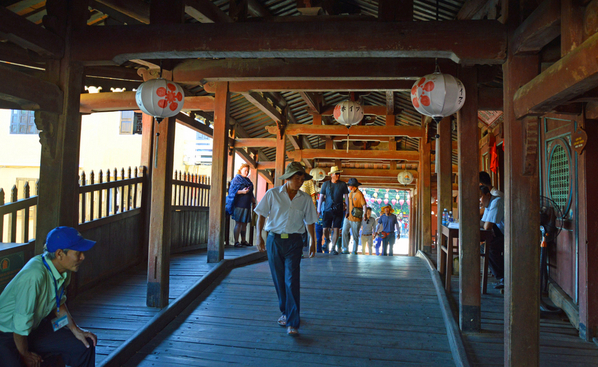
292,168
334,169
387,206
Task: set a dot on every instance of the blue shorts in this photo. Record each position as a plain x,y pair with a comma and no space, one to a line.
331,219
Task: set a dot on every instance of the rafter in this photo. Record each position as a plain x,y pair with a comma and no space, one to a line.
406,155
29,35
338,130
29,92
261,103
125,101
95,45
571,76
206,12
313,101
539,29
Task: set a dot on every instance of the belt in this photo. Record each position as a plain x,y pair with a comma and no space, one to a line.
291,235
366,234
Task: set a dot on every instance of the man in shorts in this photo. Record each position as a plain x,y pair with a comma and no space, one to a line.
334,194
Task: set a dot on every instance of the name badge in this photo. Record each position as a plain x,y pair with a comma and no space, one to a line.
60,322
284,235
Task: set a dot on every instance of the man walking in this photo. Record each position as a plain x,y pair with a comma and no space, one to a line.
334,193
493,219
288,211
352,222
35,323
367,231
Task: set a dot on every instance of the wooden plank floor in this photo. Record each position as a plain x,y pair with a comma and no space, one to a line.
356,311
560,344
115,310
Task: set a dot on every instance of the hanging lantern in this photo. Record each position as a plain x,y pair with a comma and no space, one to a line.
318,173
393,201
401,202
375,194
438,95
160,98
407,202
386,196
405,178
385,201
348,113
397,197
379,201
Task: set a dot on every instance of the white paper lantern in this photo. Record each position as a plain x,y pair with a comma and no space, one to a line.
405,178
160,98
318,173
438,95
348,113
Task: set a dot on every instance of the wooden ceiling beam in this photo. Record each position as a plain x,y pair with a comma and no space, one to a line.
95,45
313,101
371,172
338,130
367,110
471,9
125,101
136,9
316,85
255,143
29,92
262,104
205,11
539,29
576,73
297,69
29,35
406,155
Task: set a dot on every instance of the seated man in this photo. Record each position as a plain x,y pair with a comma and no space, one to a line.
33,312
493,219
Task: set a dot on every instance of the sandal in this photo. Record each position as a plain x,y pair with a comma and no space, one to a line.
292,331
282,321
245,243
237,244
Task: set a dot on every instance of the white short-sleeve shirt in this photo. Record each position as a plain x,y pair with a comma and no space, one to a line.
284,215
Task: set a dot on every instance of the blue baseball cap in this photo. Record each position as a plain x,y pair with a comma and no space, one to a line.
67,238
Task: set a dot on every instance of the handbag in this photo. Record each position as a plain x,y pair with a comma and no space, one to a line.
357,212
383,234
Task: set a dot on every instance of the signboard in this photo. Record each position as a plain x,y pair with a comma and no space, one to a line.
10,266
579,139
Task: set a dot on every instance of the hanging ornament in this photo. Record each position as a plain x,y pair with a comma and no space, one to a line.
407,202
405,178
397,197
379,201
385,201
318,173
401,202
348,113
438,95
160,98
375,194
393,201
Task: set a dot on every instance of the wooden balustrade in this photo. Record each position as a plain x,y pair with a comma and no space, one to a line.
17,215
190,190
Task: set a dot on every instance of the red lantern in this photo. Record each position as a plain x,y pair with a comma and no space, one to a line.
160,98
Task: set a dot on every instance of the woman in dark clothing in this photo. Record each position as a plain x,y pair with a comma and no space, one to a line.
238,203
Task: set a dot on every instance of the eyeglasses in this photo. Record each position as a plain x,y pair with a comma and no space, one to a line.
338,174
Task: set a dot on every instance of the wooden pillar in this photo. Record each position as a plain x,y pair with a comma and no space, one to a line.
522,278
255,178
230,174
443,175
147,144
161,200
281,142
412,248
414,232
218,189
60,134
469,212
425,195
588,228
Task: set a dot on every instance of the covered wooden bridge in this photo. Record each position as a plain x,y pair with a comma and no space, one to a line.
261,78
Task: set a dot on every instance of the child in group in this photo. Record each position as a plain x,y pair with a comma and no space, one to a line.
378,239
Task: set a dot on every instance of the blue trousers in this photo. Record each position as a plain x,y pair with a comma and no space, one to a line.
284,258
319,234
48,344
387,244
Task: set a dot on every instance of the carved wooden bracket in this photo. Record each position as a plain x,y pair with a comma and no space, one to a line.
46,124
530,149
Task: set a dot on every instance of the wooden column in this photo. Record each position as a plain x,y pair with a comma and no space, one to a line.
218,188
425,195
60,134
588,228
412,220
443,174
159,235
147,144
469,212
414,232
522,278
255,178
281,143
230,174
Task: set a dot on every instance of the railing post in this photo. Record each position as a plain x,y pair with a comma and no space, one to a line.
26,195
13,216
2,217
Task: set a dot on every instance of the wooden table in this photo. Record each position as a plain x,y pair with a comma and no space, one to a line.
449,244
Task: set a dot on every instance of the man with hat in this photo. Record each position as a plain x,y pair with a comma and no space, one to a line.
288,210
389,224
357,208
35,324
334,193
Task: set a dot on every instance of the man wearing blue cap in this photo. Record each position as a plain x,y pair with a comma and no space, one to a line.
35,324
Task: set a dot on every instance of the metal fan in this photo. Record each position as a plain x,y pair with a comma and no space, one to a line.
551,219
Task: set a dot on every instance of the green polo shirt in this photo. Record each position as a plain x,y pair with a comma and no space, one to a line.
30,296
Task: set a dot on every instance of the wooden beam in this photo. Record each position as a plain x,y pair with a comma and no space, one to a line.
261,103
317,85
281,143
136,9
539,29
218,190
471,9
29,35
302,69
390,102
574,74
395,10
313,101
266,165
406,155
205,11
469,214
95,45
444,187
255,142
338,130
371,172
29,92
125,101
367,110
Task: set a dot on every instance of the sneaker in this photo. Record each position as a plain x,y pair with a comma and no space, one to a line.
346,252
500,284
237,244
282,320
292,331
334,252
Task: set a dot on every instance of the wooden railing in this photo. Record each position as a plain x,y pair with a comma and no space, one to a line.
17,218
190,212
